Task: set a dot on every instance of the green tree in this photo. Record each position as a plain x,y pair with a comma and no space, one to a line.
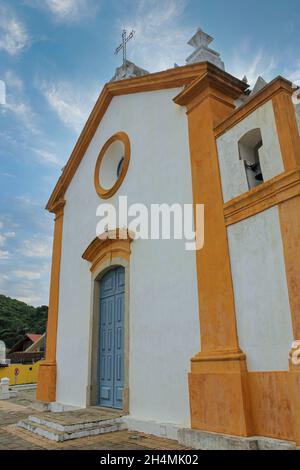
18,318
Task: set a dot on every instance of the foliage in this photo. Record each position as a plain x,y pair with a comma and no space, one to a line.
18,318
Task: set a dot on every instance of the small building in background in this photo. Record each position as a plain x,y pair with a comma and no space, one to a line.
26,343
28,350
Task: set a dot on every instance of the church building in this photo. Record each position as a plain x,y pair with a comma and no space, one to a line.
182,341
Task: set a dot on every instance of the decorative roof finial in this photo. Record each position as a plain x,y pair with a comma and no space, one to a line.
200,41
123,45
259,85
128,69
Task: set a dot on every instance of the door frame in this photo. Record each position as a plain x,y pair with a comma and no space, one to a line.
93,381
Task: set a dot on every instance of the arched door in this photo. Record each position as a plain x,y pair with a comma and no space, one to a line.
111,339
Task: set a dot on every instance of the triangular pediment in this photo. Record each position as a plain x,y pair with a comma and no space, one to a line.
172,78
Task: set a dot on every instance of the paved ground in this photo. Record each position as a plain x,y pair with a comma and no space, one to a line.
12,438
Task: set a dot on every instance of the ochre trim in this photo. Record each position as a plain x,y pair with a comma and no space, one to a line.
256,101
228,86
113,244
219,397
294,392
219,356
173,78
271,193
271,405
287,129
216,308
46,390
289,209
289,215
107,193
275,397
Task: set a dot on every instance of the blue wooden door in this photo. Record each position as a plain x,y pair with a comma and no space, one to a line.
111,339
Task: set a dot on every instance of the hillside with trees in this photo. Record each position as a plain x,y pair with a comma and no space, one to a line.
18,318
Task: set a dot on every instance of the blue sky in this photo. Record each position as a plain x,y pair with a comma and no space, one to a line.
55,56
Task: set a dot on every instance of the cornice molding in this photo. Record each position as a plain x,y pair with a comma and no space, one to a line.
278,85
112,244
271,193
220,356
213,79
58,208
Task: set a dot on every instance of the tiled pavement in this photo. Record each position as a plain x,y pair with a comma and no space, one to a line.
12,438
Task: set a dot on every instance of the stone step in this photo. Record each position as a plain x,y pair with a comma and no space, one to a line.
90,423
54,434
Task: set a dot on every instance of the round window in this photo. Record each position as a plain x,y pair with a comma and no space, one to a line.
112,165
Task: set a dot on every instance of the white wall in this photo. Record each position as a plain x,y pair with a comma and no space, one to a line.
164,325
233,175
260,289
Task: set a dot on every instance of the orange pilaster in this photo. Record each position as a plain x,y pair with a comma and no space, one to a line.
289,213
219,396
46,390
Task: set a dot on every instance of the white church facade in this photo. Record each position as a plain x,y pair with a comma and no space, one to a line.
181,339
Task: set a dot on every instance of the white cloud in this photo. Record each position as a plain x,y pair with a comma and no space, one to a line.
30,300
161,37
68,11
5,236
13,81
27,281
37,248
26,201
22,112
10,234
71,103
293,74
8,175
13,35
18,104
47,157
253,65
4,255
28,275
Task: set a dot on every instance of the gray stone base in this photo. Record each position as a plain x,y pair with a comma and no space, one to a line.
201,440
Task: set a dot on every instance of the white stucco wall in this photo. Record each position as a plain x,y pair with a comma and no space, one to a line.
164,325
260,289
232,169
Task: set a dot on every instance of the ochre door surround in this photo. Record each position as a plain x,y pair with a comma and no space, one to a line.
109,245
112,249
46,390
